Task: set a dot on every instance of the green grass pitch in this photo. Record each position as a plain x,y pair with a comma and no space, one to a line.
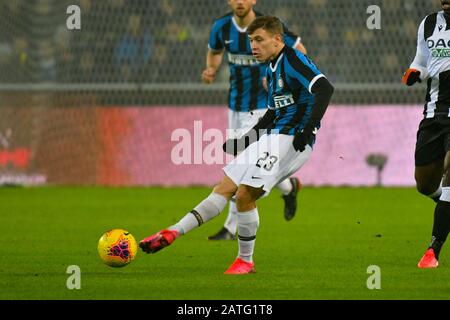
323,253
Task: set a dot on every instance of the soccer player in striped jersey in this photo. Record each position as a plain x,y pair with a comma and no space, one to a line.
299,95
247,100
432,156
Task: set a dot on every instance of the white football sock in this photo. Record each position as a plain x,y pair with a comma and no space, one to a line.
285,186
248,223
203,212
232,219
445,196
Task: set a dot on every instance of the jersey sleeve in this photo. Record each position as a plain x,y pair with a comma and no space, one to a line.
215,38
422,52
303,69
290,38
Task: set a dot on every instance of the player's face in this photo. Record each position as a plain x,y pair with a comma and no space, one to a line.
264,44
446,6
241,8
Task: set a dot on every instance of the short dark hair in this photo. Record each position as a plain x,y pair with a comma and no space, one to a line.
269,23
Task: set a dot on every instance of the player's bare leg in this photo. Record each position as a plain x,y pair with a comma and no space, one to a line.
289,189
248,222
206,210
428,179
441,225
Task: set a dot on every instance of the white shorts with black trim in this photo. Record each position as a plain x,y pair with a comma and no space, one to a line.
267,162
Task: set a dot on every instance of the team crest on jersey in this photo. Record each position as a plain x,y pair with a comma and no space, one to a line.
280,83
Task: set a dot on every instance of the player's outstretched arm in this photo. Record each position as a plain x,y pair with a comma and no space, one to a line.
213,62
323,91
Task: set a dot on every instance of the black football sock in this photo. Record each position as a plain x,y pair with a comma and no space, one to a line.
441,226
436,245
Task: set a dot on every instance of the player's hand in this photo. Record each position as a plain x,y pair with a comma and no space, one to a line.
411,76
305,137
208,75
234,146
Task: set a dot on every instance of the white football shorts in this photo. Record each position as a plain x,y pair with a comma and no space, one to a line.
239,123
267,162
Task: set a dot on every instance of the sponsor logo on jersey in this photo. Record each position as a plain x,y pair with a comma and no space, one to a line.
440,53
242,59
436,43
439,48
282,101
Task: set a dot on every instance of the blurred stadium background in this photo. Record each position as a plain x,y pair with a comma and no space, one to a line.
99,105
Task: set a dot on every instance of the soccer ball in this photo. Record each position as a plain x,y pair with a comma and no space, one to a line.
117,248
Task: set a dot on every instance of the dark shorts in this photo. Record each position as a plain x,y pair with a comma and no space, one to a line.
433,141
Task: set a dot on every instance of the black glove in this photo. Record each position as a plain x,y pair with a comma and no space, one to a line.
234,146
411,76
305,137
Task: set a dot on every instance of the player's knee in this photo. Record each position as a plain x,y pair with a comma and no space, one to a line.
425,188
244,199
242,195
225,191
226,188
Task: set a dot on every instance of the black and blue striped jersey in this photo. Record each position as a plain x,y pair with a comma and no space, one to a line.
246,91
290,77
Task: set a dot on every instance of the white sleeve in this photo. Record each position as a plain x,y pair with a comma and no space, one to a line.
421,59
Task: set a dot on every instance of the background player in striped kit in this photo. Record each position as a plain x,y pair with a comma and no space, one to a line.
247,99
432,156
299,95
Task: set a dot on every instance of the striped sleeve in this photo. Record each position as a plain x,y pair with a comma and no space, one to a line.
215,37
302,69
